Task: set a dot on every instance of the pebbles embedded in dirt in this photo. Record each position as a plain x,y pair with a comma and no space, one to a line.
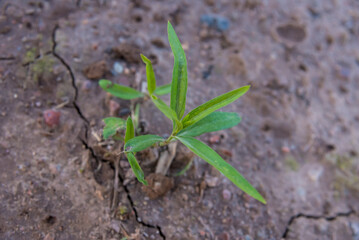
215,139
52,117
212,181
226,194
117,69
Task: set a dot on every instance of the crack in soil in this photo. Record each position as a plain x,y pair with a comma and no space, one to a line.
73,80
315,217
7,58
138,219
84,142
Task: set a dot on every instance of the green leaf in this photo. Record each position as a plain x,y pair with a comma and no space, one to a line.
151,80
164,108
179,75
212,105
130,130
210,156
136,168
112,124
140,143
119,90
213,122
163,90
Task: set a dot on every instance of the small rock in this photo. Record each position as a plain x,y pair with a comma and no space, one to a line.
218,22
52,117
113,107
96,70
285,149
226,194
117,69
212,181
215,139
87,85
315,173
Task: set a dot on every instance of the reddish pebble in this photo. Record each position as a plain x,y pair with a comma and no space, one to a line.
52,118
226,194
285,149
215,139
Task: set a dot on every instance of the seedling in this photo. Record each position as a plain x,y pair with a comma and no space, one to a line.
203,119
112,123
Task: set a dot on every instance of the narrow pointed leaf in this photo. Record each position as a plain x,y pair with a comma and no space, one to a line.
119,90
164,108
130,130
163,90
140,143
112,124
179,75
215,121
136,168
212,105
151,80
210,156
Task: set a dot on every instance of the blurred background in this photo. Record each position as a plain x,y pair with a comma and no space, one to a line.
297,142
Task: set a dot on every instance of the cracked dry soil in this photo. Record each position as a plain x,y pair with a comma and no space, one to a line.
297,143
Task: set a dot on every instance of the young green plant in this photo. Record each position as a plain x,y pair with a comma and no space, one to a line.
203,119
113,124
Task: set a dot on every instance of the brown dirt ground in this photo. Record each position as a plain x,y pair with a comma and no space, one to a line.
297,143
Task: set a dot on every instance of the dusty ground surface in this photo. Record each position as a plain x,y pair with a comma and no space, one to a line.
297,144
